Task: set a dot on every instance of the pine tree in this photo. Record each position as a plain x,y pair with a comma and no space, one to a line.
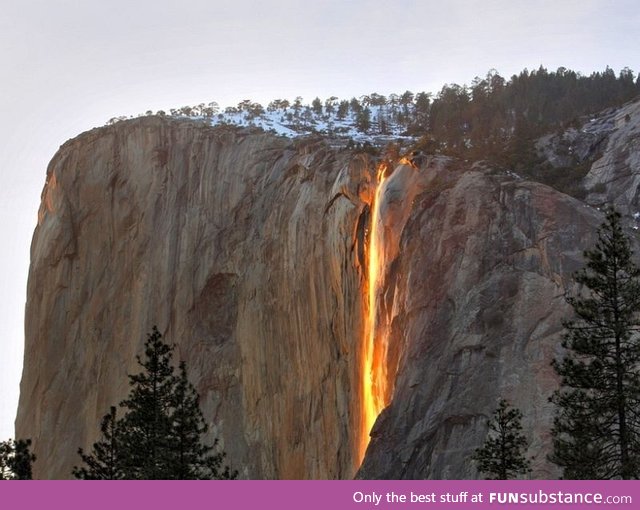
316,106
6,449
363,120
104,462
160,435
596,432
194,460
502,457
16,460
146,426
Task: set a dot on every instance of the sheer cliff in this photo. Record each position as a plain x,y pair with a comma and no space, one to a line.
474,302
239,248
250,252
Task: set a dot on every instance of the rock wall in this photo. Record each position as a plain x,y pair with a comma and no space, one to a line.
614,178
609,144
240,248
477,294
247,251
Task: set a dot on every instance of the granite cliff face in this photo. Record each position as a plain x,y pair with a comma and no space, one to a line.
248,251
615,175
609,144
240,248
477,299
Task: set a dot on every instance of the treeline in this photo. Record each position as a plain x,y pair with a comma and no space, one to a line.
480,120
484,117
16,459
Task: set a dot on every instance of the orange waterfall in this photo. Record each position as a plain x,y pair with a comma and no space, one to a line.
375,342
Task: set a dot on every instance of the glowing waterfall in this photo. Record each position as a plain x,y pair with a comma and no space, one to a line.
375,342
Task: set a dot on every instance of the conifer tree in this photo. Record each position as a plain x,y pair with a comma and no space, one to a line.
104,462
146,426
16,460
596,431
160,435
194,460
363,119
502,457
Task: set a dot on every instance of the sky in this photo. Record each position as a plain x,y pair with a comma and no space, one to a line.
70,65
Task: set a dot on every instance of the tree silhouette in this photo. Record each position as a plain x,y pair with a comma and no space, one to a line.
16,460
596,432
104,463
160,435
502,457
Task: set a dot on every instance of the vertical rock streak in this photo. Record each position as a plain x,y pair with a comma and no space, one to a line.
374,373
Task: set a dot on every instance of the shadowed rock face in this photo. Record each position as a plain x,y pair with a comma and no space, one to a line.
477,291
614,178
610,144
247,251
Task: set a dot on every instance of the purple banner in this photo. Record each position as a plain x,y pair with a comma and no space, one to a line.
319,495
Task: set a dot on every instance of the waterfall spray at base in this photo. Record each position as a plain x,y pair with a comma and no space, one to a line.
374,373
